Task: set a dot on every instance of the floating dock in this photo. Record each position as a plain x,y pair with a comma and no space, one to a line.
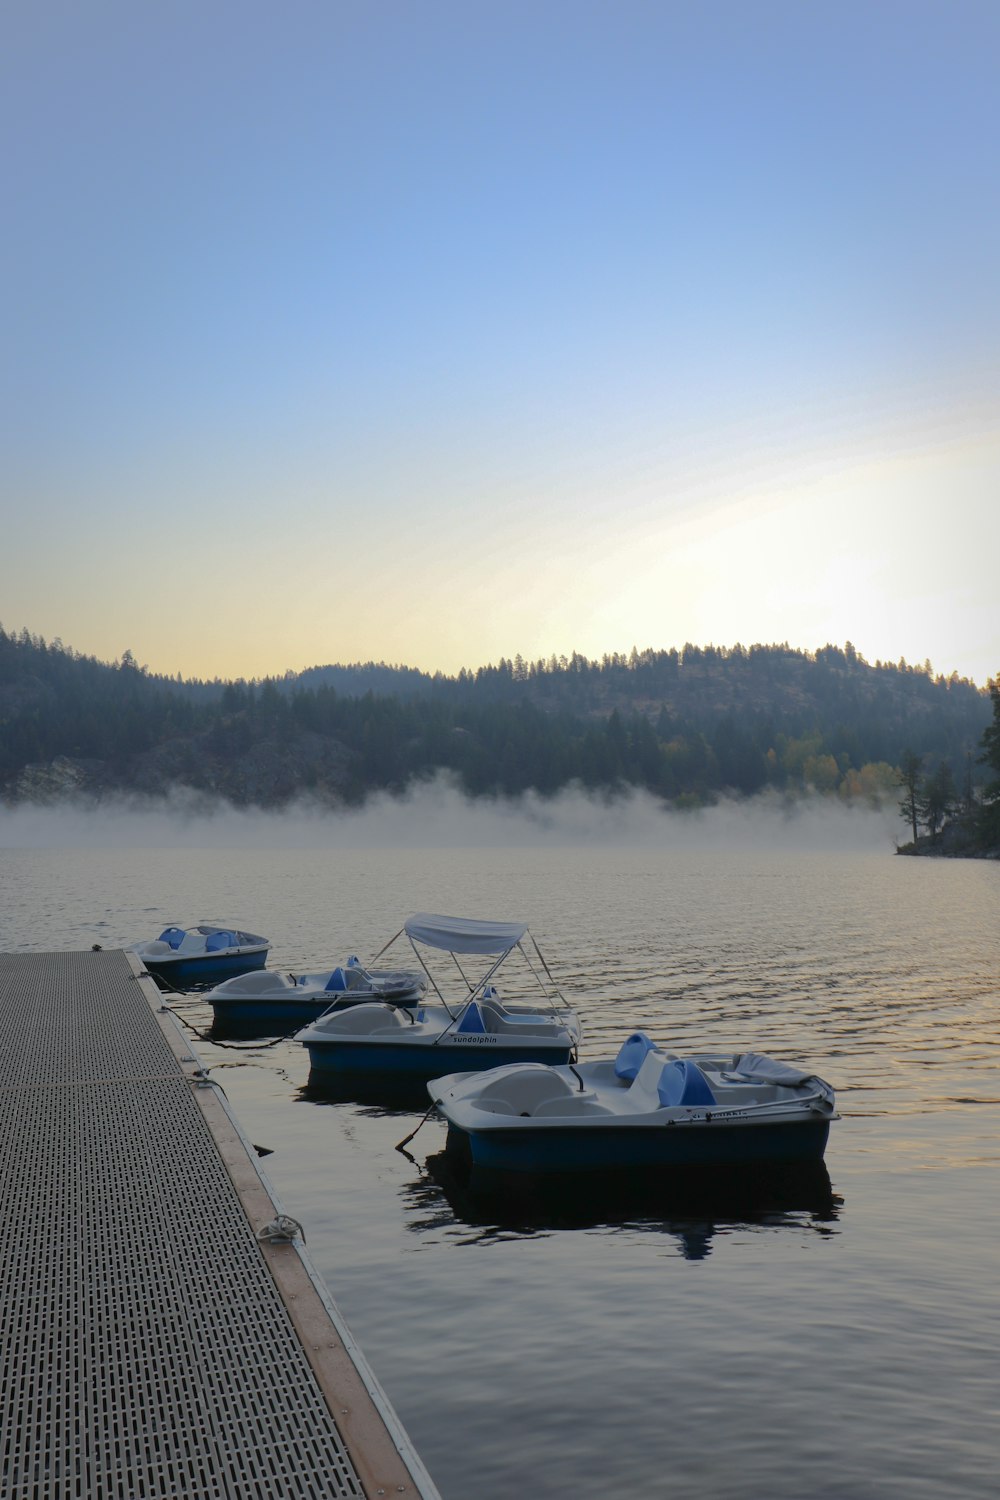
156,1339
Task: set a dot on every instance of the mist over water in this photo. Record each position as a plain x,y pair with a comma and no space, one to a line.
438,815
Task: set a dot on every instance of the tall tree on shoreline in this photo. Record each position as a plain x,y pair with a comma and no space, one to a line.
990,814
911,780
938,801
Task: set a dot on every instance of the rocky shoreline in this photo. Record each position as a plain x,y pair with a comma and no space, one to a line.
957,840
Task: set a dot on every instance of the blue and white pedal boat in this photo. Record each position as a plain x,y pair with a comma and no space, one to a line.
473,1030
292,999
186,957
644,1108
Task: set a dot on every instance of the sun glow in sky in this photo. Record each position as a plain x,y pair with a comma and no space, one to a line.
443,332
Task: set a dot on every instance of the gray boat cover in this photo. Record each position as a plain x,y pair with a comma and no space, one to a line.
463,934
764,1069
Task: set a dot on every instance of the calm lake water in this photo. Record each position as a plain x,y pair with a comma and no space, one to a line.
845,1345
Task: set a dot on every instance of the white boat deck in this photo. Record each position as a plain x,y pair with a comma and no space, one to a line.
150,1344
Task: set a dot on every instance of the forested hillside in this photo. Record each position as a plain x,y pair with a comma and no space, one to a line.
686,725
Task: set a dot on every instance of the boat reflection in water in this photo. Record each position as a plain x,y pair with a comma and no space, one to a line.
226,1030
692,1205
389,1091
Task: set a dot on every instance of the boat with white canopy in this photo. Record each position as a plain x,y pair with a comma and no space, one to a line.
644,1108
472,1028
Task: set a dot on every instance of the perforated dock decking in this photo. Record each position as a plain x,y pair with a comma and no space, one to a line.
151,1346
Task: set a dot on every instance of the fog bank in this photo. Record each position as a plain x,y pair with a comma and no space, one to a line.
438,815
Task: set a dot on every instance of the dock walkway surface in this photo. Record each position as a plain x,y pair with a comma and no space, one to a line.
152,1345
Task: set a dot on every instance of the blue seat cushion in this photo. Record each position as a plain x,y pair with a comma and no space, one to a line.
632,1055
472,1023
218,940
683,1082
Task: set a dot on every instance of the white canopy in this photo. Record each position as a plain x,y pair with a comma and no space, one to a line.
462,934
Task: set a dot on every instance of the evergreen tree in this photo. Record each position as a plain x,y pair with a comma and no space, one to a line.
685,725
990,813
910,779
938,800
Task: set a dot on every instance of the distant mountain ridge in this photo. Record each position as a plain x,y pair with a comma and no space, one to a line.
686,725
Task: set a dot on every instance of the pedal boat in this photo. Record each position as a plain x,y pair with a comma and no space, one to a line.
290,999
644,1108
190,957
473,1031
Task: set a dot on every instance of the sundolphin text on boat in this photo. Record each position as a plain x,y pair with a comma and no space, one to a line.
473,1028
183,957
644,1108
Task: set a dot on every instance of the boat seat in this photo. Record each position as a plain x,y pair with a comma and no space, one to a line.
632,1054
644,1086
172,936
192,942
336,981
216,941
498,1021
682,1082
472,1022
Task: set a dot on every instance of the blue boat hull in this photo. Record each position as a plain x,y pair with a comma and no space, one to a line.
281,1012
421,1063
284,1012
203,969
575,1150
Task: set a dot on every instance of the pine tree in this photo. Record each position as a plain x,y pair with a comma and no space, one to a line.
910,779
990,813
938,801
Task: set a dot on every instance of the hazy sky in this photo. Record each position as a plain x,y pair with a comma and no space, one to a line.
435,331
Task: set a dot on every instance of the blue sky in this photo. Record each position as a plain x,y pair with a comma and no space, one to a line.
439,332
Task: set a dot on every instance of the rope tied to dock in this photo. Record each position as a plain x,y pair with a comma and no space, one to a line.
249,1044
281,1231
